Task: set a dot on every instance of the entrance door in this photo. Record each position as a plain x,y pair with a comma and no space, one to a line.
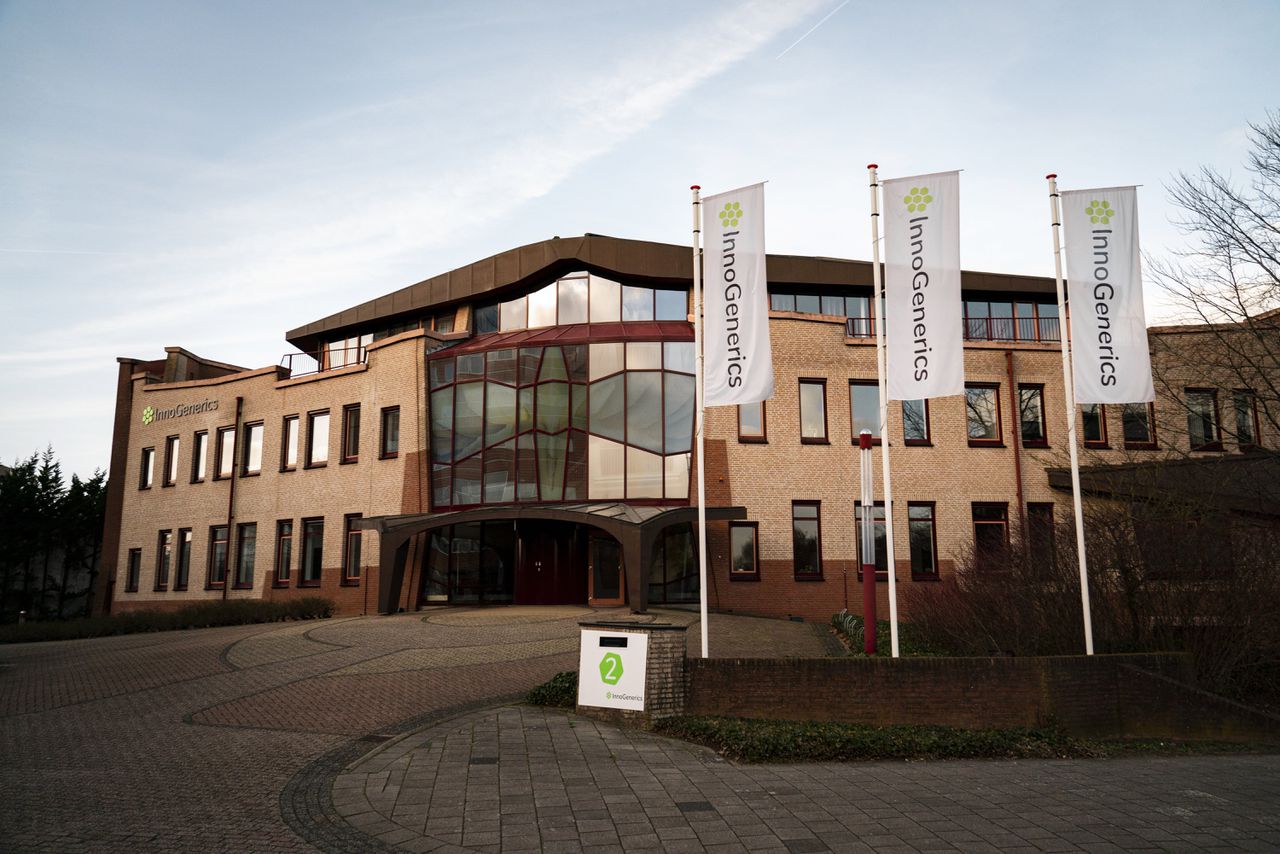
608,585
552,571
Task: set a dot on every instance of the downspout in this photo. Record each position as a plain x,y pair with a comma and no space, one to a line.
231,498
1016,430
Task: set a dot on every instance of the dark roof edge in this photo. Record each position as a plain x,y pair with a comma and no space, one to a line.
637,260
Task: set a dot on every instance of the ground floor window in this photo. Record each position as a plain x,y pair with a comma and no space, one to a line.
184,559
806,540
882,541
217,555
673,575
246,555
164,559
744,551
351,549
312,551
284,550
990,534
133,570
472,562
923,536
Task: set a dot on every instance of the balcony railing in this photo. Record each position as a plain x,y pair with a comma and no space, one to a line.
327,359
980,328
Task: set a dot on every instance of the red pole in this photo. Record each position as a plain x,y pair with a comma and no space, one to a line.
868,548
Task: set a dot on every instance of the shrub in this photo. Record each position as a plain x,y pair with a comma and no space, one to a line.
217,612
910,642
561,691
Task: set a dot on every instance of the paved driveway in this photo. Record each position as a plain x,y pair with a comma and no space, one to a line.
232,740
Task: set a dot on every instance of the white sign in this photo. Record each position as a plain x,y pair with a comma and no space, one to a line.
611,669
737,361
924,340
1109,354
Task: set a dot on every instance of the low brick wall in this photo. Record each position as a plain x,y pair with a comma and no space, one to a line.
1103,695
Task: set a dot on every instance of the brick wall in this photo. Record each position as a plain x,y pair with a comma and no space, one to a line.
1114,695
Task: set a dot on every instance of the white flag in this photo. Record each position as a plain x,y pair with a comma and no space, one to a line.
924,340
1109,354
737,362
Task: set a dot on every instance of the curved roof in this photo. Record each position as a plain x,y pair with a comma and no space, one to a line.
639,261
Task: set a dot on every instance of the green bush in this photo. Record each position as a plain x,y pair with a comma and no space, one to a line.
910,643
216,612
794,741
561,691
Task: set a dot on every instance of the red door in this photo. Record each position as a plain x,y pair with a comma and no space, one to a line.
552,572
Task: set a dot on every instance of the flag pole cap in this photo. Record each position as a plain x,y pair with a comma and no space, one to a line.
1051,176
695,187
873,165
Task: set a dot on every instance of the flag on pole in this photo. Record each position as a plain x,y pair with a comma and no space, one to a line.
1109,354
738,363
923,308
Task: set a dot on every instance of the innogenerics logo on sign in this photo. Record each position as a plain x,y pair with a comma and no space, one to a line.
917,202
1100,212
729,218
731,214
150,414
611,668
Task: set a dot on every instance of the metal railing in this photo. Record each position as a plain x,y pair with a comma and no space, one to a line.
980,328
326,359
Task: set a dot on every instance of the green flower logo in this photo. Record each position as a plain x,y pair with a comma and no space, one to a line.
611,669
148,415
917,200
1100,212
730,215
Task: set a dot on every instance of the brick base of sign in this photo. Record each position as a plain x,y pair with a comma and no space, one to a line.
665,689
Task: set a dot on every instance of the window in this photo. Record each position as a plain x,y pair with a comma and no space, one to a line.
915,422
170,461
312,552
183,571
923,536
252,455
351,549
246,553
1246,406
864,408
164,559
1094,418
813,411
881,556
351,433
1031,416
317,438
990,534
199,455
1139,425
133,570
751,422
1040,534
217,556
806,540
289,443
284,551
147,470
744,551
225,453
1202,419
1010,321
389,445
982,404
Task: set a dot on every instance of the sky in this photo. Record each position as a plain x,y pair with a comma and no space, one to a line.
211,175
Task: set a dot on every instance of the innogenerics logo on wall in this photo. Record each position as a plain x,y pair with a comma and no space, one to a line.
150,414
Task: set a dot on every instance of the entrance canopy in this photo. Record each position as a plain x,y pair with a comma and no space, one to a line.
636,528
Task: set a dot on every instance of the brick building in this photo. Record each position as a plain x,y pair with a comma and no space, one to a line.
521,430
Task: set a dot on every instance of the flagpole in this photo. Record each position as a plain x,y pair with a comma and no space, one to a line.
699,407
1055,217
877,315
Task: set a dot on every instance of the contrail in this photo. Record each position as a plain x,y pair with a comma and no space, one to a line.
815,26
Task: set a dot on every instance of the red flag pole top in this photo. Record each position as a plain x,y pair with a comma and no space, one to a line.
873,165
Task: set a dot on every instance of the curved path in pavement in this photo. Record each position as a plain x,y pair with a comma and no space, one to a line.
360,734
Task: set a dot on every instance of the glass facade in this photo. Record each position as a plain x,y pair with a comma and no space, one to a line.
579,422
581,298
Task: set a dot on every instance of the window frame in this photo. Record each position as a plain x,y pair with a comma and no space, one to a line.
742,575
824,439
998,441
875,439
132,570
1244,393
936,575
975,522
287,443
1103,443
881,574
182,568
349,450
927,441
817,518
1149,444
309,462
303,581
214,541
282,572
351,533
246,449
218,453
199,456
383,453
1043,441
161,581
147,468
172,448
1216,444
761,438
241,527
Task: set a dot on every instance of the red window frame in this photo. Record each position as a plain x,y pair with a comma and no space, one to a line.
1104,442
761,438
383,453
218,535
164,559
1043,441
817,518
736,574
826,426
133,570
350,434
352,542
875,439
998,441
283,556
